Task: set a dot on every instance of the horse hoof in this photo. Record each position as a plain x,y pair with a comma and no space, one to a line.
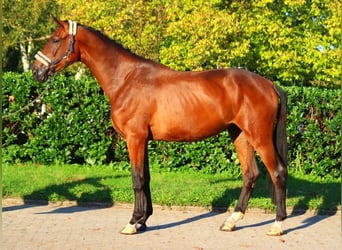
274,232
227,227
275,229
229,224
130,229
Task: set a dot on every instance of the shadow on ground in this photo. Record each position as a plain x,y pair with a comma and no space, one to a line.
303,191
88,193
95,195
82,191
182,222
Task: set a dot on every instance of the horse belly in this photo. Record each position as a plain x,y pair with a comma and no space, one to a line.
187,126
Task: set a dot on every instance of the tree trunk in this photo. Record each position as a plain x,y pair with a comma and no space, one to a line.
25,59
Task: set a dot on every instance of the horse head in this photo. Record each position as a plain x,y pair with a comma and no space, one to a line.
60,51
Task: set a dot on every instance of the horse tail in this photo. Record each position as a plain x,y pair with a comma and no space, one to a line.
280,127
280,140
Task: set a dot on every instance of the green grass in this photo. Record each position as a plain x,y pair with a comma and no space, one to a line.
183,188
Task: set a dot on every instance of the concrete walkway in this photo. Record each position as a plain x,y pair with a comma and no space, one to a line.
67,226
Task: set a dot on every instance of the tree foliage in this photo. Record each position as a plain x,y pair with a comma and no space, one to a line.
295,42
25,25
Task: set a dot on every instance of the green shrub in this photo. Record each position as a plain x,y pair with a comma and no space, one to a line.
314,130
71,124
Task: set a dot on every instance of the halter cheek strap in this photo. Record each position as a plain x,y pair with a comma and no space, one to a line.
47,61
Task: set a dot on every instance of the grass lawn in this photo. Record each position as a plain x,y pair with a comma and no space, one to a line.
114,184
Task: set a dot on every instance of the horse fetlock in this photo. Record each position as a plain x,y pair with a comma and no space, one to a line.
230,224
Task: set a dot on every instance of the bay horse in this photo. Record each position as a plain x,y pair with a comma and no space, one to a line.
150,101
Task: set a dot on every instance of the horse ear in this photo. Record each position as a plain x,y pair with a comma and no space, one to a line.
59,22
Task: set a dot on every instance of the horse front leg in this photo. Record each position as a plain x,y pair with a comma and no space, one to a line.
141,185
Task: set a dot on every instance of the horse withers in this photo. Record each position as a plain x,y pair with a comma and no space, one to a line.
150,101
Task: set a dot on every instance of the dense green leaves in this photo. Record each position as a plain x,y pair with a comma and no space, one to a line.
314,130
294,42
71,124
68,124
25,26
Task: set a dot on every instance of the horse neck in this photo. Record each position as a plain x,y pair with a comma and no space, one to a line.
107,61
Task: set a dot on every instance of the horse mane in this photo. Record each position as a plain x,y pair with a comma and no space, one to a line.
115,42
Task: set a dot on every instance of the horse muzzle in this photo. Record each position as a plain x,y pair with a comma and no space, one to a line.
41,73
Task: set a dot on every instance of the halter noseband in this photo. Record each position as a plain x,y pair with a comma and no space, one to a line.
47,61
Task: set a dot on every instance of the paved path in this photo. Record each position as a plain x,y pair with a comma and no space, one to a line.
68,226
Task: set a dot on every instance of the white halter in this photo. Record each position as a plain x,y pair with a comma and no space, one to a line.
47,61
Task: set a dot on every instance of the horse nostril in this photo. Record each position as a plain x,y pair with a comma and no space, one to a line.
35,73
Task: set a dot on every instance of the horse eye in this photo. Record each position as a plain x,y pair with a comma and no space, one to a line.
55,40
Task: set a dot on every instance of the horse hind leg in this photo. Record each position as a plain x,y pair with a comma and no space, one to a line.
278,175
250,174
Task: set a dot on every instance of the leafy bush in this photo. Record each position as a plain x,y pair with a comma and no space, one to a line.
71,124
314,130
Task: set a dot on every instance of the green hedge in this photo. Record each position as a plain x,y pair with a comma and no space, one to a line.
71,123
